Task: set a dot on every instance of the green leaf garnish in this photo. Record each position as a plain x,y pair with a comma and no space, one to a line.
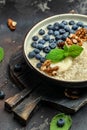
66,118
75,50
1,54
56,55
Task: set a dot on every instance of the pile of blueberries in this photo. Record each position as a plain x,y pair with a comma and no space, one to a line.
55,34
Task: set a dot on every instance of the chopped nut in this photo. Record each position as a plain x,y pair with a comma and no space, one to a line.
43,68
48,69
80,43
69,41
11,24
54,73
78,38
81,33
74,41
73,12
72,36
61,44
47,63
14,24
51,69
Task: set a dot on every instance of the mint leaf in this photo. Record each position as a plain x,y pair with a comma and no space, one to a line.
55,55
1,54
66,51
65,48
75,50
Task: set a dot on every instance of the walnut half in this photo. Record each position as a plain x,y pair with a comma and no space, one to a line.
11,24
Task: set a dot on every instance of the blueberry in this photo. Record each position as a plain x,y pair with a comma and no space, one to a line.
52,40
75,27
56,24
50,27
42,59
36,51
56,33
41,41
59,41
79,24
61,25
71,22
46,37
72,31
31,54
58,37
65,35
38,56
46,49
50,32
35,38
60,122
2,94
34,44
41,32
67,28
38,65
55,28
40,46
17,67
52,45
64,22
61,31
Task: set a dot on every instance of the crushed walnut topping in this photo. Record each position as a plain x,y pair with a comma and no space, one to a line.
52,71
78,38
82,33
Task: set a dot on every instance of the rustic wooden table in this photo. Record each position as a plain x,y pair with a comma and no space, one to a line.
27,13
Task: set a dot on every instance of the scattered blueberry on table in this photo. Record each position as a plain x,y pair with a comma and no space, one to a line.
61,122
2,94
18,67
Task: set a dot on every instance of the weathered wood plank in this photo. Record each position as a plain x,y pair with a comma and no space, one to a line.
66,104
11,102
24,110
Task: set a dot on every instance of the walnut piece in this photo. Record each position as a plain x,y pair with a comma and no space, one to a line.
52,71
78,38
11,24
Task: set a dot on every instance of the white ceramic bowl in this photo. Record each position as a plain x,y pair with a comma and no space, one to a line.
34,31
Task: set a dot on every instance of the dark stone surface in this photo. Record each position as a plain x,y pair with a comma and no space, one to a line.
27,13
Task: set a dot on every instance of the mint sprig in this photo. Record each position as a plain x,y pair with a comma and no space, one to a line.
1,54
75,50
56,55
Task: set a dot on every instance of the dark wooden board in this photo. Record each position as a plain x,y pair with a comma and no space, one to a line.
13,101
24,110
34,91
